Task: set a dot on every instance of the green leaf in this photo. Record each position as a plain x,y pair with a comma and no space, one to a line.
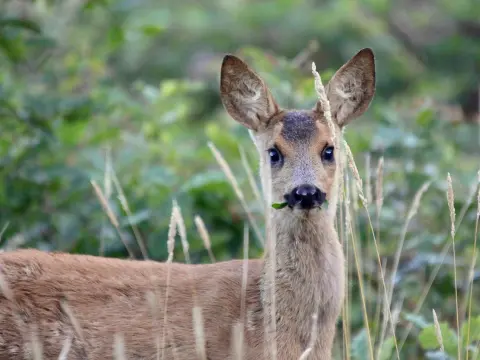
417,320
474,334
428,339
425,117
136,218
152,29
279,205
360,346
13,50
21,23
387,349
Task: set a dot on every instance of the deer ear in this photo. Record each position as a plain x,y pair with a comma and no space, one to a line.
245,95
351,89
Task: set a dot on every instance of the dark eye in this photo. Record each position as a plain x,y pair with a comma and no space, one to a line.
327,154
275,156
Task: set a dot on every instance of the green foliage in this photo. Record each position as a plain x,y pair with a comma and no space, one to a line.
126,95
428,338
279,205
470,336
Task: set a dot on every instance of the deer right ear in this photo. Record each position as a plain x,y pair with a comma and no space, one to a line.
352,87
245,95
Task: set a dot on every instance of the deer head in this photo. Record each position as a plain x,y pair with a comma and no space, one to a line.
298,143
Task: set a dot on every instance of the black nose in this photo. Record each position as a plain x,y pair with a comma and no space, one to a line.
306,197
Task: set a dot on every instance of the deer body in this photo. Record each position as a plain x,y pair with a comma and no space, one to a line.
80,302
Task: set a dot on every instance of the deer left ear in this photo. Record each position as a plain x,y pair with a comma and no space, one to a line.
245,95
351,89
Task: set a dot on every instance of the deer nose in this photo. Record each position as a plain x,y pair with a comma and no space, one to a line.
306,197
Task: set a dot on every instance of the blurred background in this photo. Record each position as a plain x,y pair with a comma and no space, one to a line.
125,93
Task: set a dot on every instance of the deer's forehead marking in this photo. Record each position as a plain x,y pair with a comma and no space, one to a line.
298,126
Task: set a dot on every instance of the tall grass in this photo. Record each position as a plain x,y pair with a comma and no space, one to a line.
350,191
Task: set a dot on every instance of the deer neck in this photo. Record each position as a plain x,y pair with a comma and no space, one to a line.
308,272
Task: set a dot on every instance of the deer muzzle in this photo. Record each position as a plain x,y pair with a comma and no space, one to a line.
305,197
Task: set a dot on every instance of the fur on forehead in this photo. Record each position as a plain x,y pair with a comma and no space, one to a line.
292,126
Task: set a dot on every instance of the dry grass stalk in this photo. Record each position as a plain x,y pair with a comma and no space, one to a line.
124,203
322,96
107,186
246,240
472,266
368,196
106,207
236,188
300,60
360,283
203,232
152,301
313,338
345,223
477,346
478,196
182,231
349,230
397,309
172,232
36,345
341,177
438,331
451,207
111,215
384,286
411,213
442,256
251,178
379,205
358,181
355,197
238,328
8,294
237,340
368,178
470,292
356,174
381,308
5,289
270,326
67,344
379,186
197,317
119,347
107,179
199,333
4,229
76,325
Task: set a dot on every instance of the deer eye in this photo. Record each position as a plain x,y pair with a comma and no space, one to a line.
275,156
327,154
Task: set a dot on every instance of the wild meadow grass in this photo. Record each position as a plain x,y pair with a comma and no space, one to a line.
380,322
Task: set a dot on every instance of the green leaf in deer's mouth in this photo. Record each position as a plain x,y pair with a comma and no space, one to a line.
279,205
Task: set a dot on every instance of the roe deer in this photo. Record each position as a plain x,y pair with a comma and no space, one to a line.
108,296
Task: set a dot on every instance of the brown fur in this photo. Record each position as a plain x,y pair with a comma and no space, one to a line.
108,296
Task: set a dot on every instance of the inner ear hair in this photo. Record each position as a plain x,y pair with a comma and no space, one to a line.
352,87
245,95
